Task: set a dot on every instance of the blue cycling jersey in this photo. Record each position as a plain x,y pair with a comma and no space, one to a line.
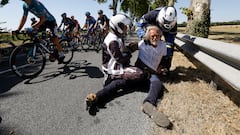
38,9
90,21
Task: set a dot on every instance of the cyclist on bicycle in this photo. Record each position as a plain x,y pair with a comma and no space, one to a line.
102,21
46,20
89,23
68,26
77,26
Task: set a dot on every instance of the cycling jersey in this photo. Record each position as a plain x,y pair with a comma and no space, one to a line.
68,22
90,21
38,9
103,19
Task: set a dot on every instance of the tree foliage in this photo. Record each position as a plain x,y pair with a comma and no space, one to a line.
135,8
198,18
4,2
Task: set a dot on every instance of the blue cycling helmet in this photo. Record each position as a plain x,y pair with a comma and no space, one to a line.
87,13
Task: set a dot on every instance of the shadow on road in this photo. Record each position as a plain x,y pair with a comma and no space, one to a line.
72,70
8,80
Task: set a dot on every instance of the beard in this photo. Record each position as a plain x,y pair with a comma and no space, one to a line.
154,43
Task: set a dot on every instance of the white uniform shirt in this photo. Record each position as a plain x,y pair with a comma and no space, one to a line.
152,56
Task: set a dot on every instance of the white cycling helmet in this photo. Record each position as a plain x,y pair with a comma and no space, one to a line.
167,17
116,22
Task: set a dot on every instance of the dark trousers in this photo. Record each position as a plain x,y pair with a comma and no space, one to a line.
154,89
152,85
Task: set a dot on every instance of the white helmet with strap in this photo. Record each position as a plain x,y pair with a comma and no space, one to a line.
167,17
116,22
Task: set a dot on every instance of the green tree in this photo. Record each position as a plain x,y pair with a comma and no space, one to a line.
4,2
112,6
135,8
198,18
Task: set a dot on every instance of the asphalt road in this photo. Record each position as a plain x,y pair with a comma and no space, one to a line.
53,103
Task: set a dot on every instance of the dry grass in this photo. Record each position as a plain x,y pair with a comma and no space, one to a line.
194,107
226,33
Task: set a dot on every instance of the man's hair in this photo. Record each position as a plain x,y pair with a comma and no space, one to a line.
149,28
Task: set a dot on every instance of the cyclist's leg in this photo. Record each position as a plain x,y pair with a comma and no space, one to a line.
53,27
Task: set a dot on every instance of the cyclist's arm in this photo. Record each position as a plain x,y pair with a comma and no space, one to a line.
95,25
22,22
42,19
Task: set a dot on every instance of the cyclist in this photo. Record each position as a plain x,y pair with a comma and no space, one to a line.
103,21
166,19
89,23
77,26
68,26
46,20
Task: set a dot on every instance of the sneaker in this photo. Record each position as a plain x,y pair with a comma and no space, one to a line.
159,118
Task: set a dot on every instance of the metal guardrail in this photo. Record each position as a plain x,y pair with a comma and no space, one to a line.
221,58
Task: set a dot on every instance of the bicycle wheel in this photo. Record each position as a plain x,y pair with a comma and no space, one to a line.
27,60
75,43
99,42
84,42
67,50
6,48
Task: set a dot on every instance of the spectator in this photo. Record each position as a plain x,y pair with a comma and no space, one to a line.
151,52
166,19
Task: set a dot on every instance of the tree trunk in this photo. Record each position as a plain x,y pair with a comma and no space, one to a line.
199,22
115,2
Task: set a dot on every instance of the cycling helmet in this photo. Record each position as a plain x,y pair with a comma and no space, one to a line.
63,14
167,17
87,13
116,22
100,11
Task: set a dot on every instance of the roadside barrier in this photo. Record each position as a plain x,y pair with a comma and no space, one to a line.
223,59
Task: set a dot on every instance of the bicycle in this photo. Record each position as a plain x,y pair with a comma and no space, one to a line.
91,40
29,59
67,38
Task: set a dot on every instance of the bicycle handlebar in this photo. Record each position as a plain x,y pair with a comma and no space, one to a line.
26,32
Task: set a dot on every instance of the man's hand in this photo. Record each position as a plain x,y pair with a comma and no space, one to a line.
15,32
133,46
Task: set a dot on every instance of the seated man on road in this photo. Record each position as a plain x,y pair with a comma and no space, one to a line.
151,51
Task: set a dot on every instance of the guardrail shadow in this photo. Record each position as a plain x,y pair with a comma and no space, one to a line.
181,73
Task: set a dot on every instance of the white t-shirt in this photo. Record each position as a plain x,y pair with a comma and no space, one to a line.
152,56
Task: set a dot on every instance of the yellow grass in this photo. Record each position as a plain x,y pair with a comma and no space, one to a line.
225,33
193,106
